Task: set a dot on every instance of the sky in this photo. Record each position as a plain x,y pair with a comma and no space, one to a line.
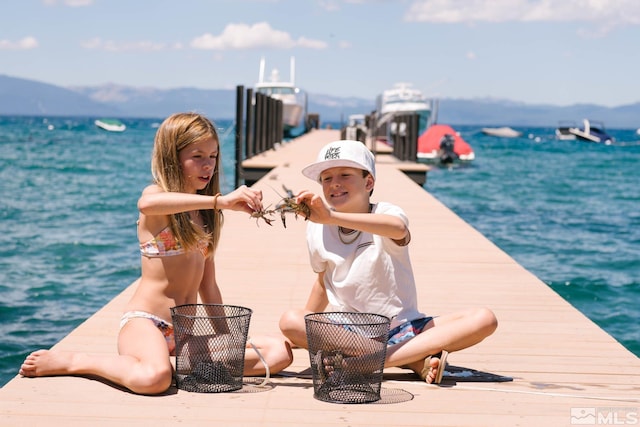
558,52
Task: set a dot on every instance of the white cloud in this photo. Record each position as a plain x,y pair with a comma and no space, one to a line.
25,43
311,44
604,14
233,37
78,3
260,35
70,3
242,36
329,6
139,46
335,5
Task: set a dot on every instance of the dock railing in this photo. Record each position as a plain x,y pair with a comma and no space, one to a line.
259,130
404,136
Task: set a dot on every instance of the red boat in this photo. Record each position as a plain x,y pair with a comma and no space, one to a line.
442,144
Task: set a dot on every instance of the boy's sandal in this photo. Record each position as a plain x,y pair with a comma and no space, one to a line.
441,367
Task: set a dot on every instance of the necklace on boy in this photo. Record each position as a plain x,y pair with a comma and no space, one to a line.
342,231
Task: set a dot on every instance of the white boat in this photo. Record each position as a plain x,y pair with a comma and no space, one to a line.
356,129
293,99
111,125
563,131
402,99
592,131
502,132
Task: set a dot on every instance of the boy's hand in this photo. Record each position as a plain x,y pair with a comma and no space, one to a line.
320,212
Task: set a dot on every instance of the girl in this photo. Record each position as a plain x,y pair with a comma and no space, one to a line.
178,230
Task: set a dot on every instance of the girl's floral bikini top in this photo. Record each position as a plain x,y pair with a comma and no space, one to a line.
165,244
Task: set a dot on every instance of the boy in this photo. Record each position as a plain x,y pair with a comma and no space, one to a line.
360,252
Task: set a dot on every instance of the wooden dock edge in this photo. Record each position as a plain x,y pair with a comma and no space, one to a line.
547,363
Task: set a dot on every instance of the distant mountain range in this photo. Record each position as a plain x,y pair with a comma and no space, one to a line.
24,97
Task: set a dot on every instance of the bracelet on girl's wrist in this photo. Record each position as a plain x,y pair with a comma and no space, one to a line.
215,202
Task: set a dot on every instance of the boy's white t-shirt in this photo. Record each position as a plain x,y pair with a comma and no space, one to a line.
371,275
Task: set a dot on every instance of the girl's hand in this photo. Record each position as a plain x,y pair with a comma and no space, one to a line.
242,199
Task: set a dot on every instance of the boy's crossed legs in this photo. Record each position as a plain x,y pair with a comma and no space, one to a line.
424,353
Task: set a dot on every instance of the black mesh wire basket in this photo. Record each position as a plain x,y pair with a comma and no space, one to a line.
347,352
210,346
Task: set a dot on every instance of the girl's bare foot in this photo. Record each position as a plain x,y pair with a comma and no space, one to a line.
42,363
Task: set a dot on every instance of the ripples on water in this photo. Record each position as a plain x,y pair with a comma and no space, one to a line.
68,215
567,211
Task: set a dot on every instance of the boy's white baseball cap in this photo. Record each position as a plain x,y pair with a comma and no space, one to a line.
343,153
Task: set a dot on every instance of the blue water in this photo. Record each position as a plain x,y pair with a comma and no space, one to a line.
567,211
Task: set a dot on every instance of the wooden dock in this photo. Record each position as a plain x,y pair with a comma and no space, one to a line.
546,364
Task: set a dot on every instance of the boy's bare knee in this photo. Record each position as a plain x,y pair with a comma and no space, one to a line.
289,321
293,327
487,319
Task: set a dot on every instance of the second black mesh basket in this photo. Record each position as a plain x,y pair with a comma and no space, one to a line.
210,346
347,352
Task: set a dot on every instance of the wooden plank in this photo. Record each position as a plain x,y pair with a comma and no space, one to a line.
558,359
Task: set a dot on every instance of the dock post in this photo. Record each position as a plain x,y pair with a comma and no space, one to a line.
404,134
239,125
278,122
257,124
412,137
250,146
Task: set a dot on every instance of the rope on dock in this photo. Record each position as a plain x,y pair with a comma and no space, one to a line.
266,366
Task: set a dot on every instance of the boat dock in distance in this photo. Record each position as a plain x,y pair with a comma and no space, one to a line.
547,364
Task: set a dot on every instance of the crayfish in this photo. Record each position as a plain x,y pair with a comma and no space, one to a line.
263,214
286,205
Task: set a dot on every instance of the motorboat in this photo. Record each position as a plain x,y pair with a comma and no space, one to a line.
293,99
356,129
592,131
502,132
442,144
111,125
401,99
563,131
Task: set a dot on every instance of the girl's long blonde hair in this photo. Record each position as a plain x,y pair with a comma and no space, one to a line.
177,132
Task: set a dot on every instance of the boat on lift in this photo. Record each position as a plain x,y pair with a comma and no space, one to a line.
563,131
400,100
293,99
592,131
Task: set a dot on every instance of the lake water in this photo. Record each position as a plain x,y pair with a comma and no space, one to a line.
568,211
